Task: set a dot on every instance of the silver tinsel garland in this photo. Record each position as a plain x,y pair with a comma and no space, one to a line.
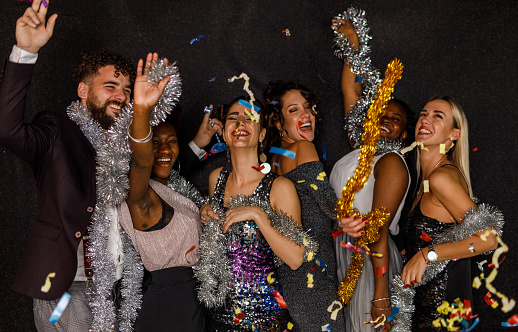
214,272
360,63
179,184
386,146
474,221
112,184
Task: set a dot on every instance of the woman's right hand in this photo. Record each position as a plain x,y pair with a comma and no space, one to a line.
206,213
348,30
353,225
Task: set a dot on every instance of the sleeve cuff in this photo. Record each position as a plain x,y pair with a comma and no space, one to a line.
197,151
21,56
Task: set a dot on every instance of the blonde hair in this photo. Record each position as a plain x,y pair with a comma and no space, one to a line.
459,154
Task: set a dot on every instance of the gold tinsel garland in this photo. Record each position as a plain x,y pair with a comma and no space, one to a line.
378,217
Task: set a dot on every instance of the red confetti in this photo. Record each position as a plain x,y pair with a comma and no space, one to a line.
321,78
513,320
280,299
260,168
475,149
381,270
238,318
426,237
493,265
313,268
488,299
337,232
188,251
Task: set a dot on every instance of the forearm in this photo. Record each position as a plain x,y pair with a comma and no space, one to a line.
142,152
351,89
472,246
380,266
289,252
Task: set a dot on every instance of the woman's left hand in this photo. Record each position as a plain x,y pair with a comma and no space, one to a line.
242,213
414,269
145,93
375,313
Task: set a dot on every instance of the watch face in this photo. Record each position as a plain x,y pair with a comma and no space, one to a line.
432,256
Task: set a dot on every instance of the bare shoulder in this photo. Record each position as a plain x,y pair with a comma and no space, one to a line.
213,178
305,151
391,162
445,181
282,188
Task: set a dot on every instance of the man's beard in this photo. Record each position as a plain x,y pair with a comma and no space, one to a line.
99,112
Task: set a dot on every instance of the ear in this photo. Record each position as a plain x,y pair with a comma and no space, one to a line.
82,92
455,134
278,125
403,136
262,135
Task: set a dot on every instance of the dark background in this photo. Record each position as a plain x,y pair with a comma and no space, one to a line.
466,49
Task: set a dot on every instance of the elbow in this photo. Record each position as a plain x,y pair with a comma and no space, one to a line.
295,264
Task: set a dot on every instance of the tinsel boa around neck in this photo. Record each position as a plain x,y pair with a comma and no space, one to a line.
113,155
473,221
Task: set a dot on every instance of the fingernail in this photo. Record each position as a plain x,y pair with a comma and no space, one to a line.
406,286
366,222
364,218
362,232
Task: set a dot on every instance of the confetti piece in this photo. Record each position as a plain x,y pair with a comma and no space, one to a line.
326,328
238,318
334,312
46,287
337,232
283,152
412,146
313,268
505,324
301,181
197,39
238,311
280,299
513,320
488,299
321,176
310,280
351,247
214,78
426,186
290,326
187,252
252,107
272,102
206,110
507,305
493,265
424,236
484,235
395,311
60,307
442,148
471,247
381,270
275,164
321,79
475,149
323,265
472,325
481,265
324,152
310,256
287,32
379,321
270,279
249,105
45,4
314,186
259,169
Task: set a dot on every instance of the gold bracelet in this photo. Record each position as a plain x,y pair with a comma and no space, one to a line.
143,140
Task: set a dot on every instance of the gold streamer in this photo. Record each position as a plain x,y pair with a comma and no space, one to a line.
378,217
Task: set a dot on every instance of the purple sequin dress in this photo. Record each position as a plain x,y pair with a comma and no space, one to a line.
252,260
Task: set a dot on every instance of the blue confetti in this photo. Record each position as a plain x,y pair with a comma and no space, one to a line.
324,152
214,78
197,39
60,307
248,105
283,152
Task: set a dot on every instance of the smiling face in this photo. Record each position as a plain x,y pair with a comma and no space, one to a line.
393,123
299,119
239,130
165,149
105,95
436,124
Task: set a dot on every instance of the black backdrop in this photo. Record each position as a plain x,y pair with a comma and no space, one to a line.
466,49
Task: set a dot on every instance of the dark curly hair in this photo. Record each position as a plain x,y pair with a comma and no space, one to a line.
273,95
92,62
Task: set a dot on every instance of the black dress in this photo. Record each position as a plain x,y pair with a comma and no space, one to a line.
452,283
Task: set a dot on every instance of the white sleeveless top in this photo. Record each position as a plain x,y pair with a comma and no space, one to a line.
344,169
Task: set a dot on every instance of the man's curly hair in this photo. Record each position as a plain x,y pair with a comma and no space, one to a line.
92,62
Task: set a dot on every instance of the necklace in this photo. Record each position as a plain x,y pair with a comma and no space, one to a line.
426,186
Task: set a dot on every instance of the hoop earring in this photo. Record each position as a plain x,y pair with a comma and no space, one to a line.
227,150
262,156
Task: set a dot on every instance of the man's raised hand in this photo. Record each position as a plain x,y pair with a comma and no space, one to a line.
32,30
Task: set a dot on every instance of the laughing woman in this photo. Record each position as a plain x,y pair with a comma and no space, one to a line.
163,225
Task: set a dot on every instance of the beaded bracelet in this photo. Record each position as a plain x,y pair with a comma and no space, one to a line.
142,140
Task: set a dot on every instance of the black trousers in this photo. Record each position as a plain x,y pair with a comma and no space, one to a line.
170,303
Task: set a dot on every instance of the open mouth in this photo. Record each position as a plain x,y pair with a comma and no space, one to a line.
384,129
240,133
304,127
115,108
163,162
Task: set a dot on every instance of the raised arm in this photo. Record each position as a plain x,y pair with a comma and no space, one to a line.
146,95
32,30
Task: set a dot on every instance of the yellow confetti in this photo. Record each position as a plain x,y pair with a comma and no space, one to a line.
245,77
46,287
310,280
484,235
321,176
247,112
290,326
426,186
310,256
301,181
271,279
412,146
494,305
314,186
442,148
238,311
476,283
334,312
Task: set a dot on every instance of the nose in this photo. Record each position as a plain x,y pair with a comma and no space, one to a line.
120,95
164,148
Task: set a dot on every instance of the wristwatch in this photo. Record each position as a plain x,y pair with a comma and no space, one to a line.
432,255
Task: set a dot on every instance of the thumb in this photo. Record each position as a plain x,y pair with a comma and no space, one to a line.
51,23
163,82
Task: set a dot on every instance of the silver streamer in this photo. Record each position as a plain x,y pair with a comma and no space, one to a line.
386,146
112,184
474,221
359,62
179,184
214,272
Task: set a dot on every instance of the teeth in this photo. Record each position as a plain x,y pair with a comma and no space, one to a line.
424,131
305,125
384,129
117,107
165,160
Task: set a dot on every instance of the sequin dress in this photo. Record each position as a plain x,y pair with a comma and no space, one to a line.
252,260
318,218
453,282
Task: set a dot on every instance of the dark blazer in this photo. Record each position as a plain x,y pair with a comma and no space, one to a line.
63,163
